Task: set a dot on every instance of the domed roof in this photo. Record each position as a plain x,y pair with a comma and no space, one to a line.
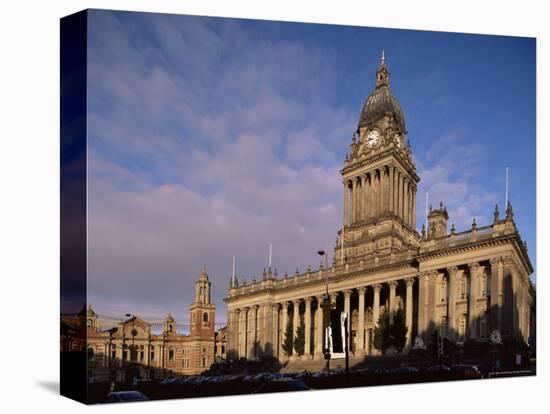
381,101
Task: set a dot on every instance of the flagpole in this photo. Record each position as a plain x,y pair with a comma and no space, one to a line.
270,252
233,276
506,190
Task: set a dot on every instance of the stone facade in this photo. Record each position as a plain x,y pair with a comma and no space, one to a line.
464,285
131,349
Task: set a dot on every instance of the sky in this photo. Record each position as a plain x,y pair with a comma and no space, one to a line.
210,138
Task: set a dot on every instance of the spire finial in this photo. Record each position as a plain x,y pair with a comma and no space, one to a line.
383,57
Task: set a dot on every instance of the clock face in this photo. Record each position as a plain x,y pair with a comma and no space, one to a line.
372,138
397,140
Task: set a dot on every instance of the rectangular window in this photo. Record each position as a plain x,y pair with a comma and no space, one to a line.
113,354
152,355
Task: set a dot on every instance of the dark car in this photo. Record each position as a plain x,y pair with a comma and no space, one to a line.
282,385
125,396
466,371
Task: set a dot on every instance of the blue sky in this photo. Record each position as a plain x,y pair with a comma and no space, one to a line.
213,137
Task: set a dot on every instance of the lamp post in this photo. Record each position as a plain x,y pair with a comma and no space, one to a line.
326,305
133,333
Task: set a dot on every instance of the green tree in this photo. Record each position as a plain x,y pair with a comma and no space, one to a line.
398,331
382,333
288,342
300,338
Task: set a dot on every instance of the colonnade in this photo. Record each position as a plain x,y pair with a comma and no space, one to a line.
462,301
384,190
250,341
474,299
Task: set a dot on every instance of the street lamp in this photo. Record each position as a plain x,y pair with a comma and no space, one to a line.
326,305
133,333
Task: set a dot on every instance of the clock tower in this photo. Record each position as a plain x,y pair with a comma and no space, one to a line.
202,310
380,181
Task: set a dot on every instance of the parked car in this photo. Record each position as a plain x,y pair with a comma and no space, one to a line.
466,371
438,368
282,385
404,370
169,380
124,396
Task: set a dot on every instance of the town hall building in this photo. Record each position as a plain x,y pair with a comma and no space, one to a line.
462,284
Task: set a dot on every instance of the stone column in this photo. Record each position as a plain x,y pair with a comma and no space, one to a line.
354,200
395,191
388,190
231,332
451,316
496,305
376,304
413,198
411,203
275,329
406,201
432,294
392,285
265,330
409,311
515,302
361,328
295,322
382,191
391,189
372,198
319,329
284,322
378,182
347,310
307,320
346,200
252,346
363,197
422,304
242,335
400,197
368,196
473,269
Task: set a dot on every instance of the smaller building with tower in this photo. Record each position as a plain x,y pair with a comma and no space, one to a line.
132,350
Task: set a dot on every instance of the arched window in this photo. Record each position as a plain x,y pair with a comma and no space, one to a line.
170,328
171,355
205,318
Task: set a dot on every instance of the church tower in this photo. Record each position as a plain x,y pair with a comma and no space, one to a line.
202,310
380,181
